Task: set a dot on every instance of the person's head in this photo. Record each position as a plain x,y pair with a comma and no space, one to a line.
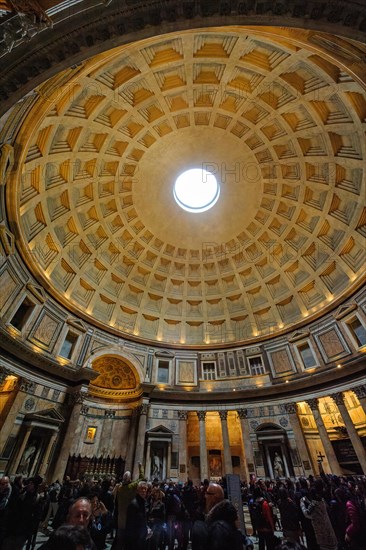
142,489
156,494
257,493
126,477
94,499
213,495
69,537
30,485
79,512
4,484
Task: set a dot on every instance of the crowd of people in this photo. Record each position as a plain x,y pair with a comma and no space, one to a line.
323,513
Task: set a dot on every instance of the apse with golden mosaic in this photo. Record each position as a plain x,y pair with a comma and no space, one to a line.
114,373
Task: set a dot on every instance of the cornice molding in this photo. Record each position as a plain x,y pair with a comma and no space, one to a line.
94,30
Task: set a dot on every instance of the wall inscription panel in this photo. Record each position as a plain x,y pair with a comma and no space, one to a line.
281,361
186,372
8,287
46,330
332,344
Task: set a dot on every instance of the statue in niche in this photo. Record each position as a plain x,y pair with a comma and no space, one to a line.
27,458
278,465
156,466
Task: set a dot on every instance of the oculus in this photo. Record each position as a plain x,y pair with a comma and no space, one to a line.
196,190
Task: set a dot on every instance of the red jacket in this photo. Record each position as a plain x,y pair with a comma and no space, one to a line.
267,514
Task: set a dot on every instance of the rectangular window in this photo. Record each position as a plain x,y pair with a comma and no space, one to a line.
256,365
307,355
22,314
163,372
358,331
209,371
68,345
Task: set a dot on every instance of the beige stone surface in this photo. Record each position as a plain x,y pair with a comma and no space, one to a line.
279,117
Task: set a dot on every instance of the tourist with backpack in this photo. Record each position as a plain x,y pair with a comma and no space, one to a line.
262,520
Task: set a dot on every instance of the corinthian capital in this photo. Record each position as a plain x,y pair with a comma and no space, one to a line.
223,416
143,408
338,398
84,410
201,416
183,415
27,387
291,408
4,373
242,413
313,404
77,398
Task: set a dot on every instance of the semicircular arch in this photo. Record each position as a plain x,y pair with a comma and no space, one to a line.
119,374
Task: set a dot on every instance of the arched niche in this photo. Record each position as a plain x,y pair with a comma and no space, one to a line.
119,376
275,451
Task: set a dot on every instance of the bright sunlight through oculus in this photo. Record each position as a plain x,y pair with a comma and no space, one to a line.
196,190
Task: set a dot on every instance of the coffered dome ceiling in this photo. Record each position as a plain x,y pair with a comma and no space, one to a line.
279,122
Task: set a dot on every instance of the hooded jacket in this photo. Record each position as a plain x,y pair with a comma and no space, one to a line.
222,530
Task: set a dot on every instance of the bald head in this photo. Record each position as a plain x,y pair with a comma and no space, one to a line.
4,484
213,495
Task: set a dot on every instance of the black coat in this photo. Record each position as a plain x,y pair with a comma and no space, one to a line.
136,525
222,531
219,531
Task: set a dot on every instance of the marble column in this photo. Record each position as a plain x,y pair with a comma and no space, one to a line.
9,423
46,456
169,459
78,403
183,417
203,445
140,443
360,392
131,440
324,437
291,409
248,450
21,449
352,432
148,460
226,443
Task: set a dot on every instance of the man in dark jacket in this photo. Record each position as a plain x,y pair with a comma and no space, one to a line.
220,529
124,495
136,520
199,534
222,524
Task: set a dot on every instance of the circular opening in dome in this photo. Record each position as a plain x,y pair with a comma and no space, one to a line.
196,190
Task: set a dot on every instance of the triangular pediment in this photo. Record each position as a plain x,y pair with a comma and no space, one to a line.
47,415
160,429
298,335
344,310
76,323
37,292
